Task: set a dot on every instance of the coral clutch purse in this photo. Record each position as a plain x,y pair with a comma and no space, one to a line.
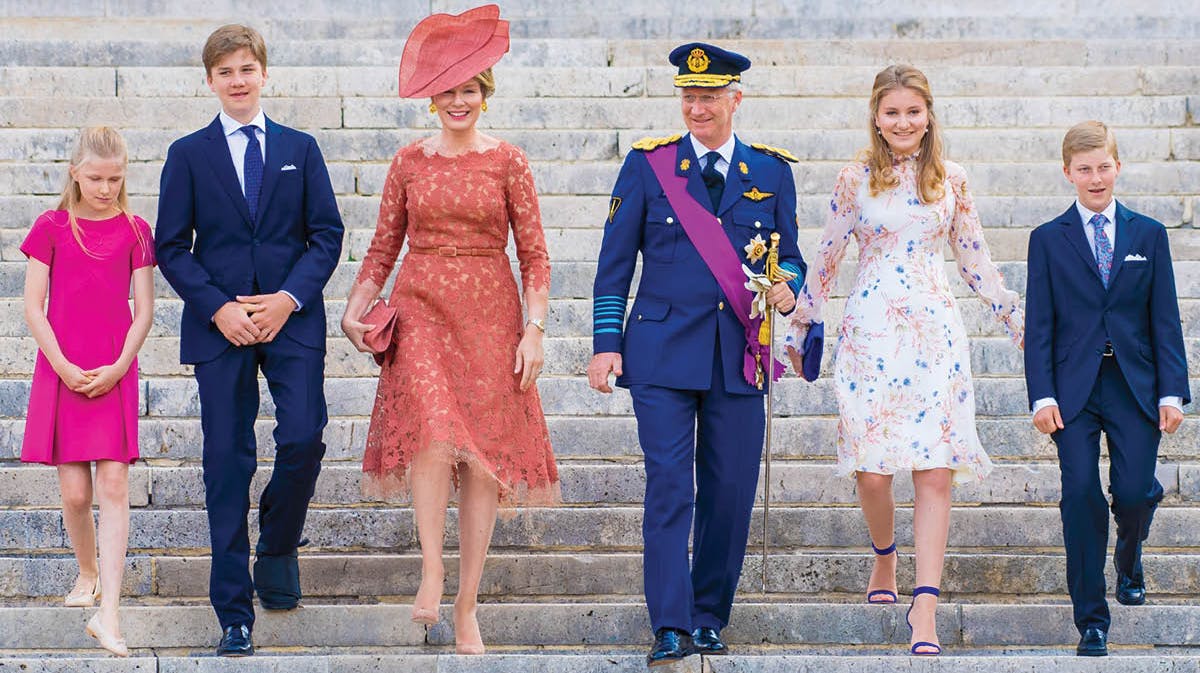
379,337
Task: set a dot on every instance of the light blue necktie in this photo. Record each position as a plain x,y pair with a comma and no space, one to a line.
1104,250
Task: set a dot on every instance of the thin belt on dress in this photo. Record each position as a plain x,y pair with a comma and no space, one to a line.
452,251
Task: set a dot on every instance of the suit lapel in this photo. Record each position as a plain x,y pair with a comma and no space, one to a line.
1073,231
695,183
735,180
277,154
221,163
1126,231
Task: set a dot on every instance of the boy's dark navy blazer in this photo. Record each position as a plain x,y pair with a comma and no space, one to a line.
210,251
1069,315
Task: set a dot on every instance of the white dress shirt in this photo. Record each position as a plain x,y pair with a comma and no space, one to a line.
726,152
1110,228
238,142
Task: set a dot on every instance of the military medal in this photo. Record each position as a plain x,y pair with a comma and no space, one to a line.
756,248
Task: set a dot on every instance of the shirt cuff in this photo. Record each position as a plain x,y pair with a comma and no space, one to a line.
1171,401
298,304
1043,403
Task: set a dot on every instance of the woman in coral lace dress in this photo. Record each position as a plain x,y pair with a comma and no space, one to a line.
902,369
456,403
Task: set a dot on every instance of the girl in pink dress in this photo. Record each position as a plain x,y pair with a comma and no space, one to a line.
83,402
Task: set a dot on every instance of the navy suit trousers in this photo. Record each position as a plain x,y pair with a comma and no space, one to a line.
1133,455
228,407
702,451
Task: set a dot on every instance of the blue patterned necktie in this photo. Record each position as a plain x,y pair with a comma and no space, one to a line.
713,180
252,171
1104,250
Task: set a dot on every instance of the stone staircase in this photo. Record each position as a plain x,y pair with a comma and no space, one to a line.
562,589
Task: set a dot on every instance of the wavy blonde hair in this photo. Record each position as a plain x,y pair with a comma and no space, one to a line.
931,169
96,142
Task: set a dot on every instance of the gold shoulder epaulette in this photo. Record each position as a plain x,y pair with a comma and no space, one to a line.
647,144
777,152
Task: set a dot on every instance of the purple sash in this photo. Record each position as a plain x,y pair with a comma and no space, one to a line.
705,232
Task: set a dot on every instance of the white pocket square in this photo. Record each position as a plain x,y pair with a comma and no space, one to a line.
1134,258
288,167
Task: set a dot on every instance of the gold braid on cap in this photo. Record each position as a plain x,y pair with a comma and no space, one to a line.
705,80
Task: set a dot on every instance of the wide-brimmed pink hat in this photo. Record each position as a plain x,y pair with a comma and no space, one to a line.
445,50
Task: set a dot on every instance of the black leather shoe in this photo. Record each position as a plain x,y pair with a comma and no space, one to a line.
1130,590
707,640
277,580
670,645
236,642
1094,643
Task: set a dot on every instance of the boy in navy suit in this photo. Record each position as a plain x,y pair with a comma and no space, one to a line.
1103,352
248,235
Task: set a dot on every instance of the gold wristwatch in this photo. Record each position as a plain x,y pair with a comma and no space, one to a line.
539,323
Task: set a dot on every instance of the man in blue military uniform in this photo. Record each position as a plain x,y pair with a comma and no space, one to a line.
684,352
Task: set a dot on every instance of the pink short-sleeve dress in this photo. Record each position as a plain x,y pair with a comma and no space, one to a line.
89,313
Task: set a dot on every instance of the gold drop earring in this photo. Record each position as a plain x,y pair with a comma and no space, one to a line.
432,109
483,107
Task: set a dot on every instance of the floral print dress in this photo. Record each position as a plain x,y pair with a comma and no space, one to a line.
902,366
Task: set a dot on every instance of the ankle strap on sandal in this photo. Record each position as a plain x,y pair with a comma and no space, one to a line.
883,552
917,591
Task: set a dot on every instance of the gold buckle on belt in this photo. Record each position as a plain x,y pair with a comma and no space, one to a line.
447,251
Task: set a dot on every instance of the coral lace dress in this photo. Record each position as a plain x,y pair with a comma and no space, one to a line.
902,366
447,384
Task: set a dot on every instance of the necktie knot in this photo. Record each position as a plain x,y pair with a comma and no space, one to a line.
249,131
710,160
1098,221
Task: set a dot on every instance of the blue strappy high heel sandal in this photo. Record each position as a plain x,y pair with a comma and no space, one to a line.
883,592
917,591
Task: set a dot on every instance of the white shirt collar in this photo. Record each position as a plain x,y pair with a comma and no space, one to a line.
726,150
1109,212
231,126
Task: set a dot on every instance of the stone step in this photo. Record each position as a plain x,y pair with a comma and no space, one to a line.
570,396
746,659
589,81
608,113
609,528
792,482
631,50
600,624
565,356
812,574
379,145
596,178
172,441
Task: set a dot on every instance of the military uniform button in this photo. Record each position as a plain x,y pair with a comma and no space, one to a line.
721,306
670,220
719,221
639,316
757,225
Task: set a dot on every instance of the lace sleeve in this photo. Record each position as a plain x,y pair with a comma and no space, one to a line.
390,229
974,261
822,273
526,219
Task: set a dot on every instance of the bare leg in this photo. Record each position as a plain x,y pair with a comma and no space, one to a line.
75,485
112,491
931,527
476,519
879,508
430,480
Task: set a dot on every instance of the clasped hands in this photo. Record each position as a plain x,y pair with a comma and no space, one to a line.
92,382
255,319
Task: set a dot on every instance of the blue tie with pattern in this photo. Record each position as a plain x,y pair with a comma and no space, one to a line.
1104,250
252,171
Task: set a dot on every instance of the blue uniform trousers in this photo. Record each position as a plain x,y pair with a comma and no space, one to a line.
228,406
1133,453
702,451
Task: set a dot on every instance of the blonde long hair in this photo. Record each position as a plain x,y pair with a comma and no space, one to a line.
96,142
931,169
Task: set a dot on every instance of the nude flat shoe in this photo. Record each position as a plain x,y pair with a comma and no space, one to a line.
105,639
83,599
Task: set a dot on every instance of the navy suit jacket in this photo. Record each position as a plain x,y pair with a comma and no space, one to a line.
210,251
1069,315
679,310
